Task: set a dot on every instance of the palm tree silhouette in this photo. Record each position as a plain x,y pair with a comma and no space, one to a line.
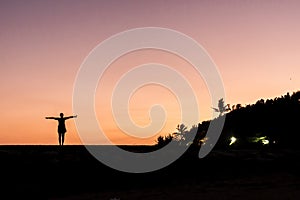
180,134
222,108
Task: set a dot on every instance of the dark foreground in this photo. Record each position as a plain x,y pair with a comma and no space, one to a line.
70,172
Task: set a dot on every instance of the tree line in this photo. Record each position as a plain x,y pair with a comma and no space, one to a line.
267,123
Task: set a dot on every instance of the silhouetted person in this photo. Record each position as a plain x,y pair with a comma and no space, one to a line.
61,127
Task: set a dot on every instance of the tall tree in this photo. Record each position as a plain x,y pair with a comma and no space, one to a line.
222,108
180,134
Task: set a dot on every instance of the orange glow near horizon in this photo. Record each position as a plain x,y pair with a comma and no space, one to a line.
147,96
255,45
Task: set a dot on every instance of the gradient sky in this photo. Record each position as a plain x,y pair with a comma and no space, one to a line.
255,44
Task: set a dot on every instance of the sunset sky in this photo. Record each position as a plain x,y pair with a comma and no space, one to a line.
254,44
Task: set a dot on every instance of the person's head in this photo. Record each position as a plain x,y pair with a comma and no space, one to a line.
61,115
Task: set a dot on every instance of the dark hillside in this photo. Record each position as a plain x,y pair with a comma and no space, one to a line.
276,121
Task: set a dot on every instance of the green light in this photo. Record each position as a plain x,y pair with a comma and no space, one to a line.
265,142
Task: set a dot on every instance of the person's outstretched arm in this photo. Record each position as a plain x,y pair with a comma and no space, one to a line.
51,117
75,116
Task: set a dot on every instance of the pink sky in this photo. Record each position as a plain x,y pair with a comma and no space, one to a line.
255,45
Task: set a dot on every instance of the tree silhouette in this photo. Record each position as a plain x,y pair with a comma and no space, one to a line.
269,123
222,108
180,134
163,140
190,135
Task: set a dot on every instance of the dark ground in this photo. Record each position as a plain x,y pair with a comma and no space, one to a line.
70,172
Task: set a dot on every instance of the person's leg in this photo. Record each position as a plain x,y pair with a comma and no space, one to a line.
59,138
62,138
